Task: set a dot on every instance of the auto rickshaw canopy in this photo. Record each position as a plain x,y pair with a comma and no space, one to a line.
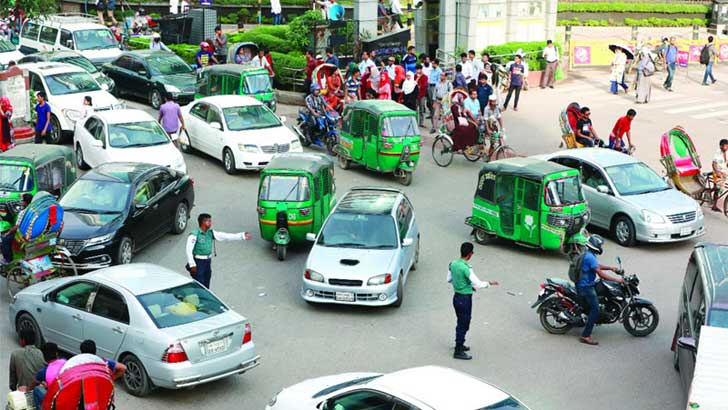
529,168
311,163
39,155
380,107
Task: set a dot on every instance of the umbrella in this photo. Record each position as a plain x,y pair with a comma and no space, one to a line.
627,50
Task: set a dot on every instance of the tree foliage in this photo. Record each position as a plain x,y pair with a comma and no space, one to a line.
32,8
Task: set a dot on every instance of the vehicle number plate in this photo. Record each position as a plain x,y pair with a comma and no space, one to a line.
218,346
345,296
685,231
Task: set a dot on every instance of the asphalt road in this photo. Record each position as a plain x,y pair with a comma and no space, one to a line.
511,350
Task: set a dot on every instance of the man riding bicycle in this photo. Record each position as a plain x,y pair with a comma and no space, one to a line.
493,122
317,107
720,171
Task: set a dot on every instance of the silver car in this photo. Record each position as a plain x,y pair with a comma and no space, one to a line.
631,200
365,251
167,329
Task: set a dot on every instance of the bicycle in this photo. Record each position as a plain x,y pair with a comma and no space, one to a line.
711,193
443,153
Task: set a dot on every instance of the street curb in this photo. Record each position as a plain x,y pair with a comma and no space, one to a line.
290,97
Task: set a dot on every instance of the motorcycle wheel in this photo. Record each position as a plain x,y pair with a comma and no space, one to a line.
641,320
331,145
549,320
300,129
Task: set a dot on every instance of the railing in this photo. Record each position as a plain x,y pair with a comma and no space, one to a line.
295,77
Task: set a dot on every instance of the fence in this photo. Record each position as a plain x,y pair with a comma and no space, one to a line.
596,53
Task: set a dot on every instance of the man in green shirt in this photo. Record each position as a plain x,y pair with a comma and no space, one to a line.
464,282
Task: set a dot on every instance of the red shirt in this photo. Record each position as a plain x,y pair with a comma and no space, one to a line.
422,86
310,65
623,125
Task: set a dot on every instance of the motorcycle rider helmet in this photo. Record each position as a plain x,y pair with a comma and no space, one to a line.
595,243
315,87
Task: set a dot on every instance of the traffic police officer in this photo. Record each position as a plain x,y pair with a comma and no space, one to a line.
201,247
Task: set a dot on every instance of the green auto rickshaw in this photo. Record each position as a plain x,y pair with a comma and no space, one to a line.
382,135
295,195
29,168
236,79
533,202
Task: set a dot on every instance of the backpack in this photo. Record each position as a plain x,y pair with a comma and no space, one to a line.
649,69
705,55
575,263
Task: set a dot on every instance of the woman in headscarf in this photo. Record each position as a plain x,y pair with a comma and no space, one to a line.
385,87
465,134
365,84
374,78
644,82
618,66
350,71
410,90
6,126
399,77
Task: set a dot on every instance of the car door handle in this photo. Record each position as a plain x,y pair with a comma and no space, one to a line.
76,316
117,330
155,206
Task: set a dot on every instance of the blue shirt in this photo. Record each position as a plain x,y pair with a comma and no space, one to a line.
483,93
670,54
473,105
434,77
410,63
516,74
588,271
336,12
205,57
333,60
42,111
459,81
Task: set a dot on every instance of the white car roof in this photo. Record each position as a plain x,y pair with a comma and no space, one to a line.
601,156
71,23
139,278
224,101
123,116
441,388
50,68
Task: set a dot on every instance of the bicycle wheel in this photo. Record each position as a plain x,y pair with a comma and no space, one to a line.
66,266
504,151
725,204
16,280
473,155
442,151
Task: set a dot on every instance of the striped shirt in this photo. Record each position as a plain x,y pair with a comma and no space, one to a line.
352,87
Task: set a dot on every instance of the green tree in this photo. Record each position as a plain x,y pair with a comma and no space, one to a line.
32,8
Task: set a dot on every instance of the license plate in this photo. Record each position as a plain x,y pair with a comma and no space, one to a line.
345,296
685,231
218,346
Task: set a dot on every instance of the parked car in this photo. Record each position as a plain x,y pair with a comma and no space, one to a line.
8,53
65,86
71,57
365,250
166,328
118,208
150,74
124,136
703,302
239,130
70,32
631,200
419,388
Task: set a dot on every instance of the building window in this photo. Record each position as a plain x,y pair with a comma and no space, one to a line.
491,11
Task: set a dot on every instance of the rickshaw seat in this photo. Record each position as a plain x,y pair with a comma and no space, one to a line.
685,167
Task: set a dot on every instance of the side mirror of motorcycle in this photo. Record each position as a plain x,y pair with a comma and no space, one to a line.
687,343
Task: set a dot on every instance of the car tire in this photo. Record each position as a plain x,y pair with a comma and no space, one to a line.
416,259
400,292
124,251
26,321
136,380
623,231
56,134
675,355
181,216
228,161
80,162
155,99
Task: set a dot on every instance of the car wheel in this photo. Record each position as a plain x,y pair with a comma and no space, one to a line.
26,321
155,99
124,251
228,161
79,158
181,216
135,378
417,254
675,356
623,231
400,292
56,134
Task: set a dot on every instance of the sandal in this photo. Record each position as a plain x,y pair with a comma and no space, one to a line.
588,341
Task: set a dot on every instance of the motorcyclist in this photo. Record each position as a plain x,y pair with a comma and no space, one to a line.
585,286
317,108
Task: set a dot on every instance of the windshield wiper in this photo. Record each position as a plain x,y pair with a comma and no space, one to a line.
5,185
383,246
79,210
345,245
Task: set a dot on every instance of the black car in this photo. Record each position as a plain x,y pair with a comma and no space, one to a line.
703,301
149,74
119,208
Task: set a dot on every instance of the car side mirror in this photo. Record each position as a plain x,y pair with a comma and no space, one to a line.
687,343
143,73
216,125
97,144
140,206
407,242
69,43
603,189
46,297
282,118
310,236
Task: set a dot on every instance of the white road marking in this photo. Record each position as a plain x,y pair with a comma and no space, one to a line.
696,107
723,113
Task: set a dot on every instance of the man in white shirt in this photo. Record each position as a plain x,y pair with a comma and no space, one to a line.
396,16
467,68
275,10
475,68
551,55
365,62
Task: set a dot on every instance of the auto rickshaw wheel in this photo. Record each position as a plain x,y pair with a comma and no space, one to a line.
405,178
481,236
344,163
442,151
281,251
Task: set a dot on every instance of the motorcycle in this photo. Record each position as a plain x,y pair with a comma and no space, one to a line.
560,308
325,134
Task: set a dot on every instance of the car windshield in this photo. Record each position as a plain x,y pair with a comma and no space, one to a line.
6,46
181,305
250,117
259,83
367,231
137,134
718,318
94,39
285,188
635,179
91,196
564,191
167,64
15,178
507,404
71,83
79,61
405,126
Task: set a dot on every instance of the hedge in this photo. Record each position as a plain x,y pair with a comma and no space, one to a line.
272,42
617,7
648,22
294,60
532,51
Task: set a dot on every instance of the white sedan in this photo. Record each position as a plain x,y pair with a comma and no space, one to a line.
239,130
419,388
124,136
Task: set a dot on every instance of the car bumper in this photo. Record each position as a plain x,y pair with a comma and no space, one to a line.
89,258
183,98
318,292
179,375
670,232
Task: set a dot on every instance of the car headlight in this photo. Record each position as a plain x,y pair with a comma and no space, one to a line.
119,106
172,89
311,274
380,280
272,105
98,239
699,213
652,218
249,148
179,164
72,115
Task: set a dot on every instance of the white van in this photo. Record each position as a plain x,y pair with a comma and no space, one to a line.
78,32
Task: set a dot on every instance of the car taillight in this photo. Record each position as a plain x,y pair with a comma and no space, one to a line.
248,336
261,210
305,211
175,353
307,274
388,145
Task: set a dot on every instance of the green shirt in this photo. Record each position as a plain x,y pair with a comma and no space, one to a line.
203,244
460,270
